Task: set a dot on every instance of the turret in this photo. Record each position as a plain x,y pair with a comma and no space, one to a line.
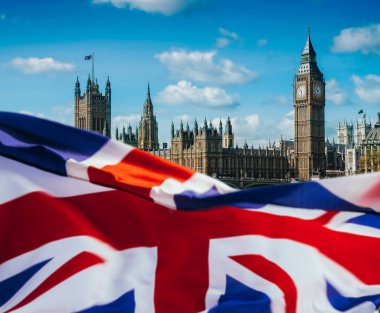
148,106
77,88
172,131
228,137
92,110
220,128
245,148
195,127
228,128
108,90
88,87
96,85
148,127
205,126
123,134
117,133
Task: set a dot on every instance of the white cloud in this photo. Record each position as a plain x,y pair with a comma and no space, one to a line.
39,65
367,88
165,7
262,42
184,92
222,42
120,120
227,33
252,121
286,125
41,115
228,37
246,128
363,39
184,118
202,67
64,113
250,129
281,99
335,93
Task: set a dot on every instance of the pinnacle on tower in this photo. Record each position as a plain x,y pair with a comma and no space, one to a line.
77,88
148,93
117,133
309,59
172,130
309,49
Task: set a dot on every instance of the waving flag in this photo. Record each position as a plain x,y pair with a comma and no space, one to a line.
89,225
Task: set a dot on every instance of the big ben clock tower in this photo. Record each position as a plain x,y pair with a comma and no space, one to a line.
309,116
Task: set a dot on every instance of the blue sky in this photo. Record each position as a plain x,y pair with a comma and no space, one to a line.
203,58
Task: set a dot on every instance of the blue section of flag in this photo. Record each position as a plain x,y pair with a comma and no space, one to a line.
190,200
124,304
88,57
290,195
366,220
239,298
10,286
44,144
342,303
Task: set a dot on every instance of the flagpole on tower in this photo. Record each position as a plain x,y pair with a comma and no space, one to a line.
93,71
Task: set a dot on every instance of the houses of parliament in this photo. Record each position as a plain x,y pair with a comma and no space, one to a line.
210,149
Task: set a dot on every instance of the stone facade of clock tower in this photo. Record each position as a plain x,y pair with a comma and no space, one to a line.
309,116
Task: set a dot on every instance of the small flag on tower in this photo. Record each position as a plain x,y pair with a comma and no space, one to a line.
88,57
360,111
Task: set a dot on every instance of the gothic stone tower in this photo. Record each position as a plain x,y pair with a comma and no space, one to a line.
148,128
92,110
309,119
228,137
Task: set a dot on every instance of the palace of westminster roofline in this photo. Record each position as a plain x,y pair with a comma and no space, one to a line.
210,149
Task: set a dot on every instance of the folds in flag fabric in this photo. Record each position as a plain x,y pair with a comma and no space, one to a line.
88,224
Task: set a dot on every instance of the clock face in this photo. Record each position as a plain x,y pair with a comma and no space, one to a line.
317,91
301,92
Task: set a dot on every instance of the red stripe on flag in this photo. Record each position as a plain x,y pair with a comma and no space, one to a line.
273,273
78,263
124,220
138,172
326,217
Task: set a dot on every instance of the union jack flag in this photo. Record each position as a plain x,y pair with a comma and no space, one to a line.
89,225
